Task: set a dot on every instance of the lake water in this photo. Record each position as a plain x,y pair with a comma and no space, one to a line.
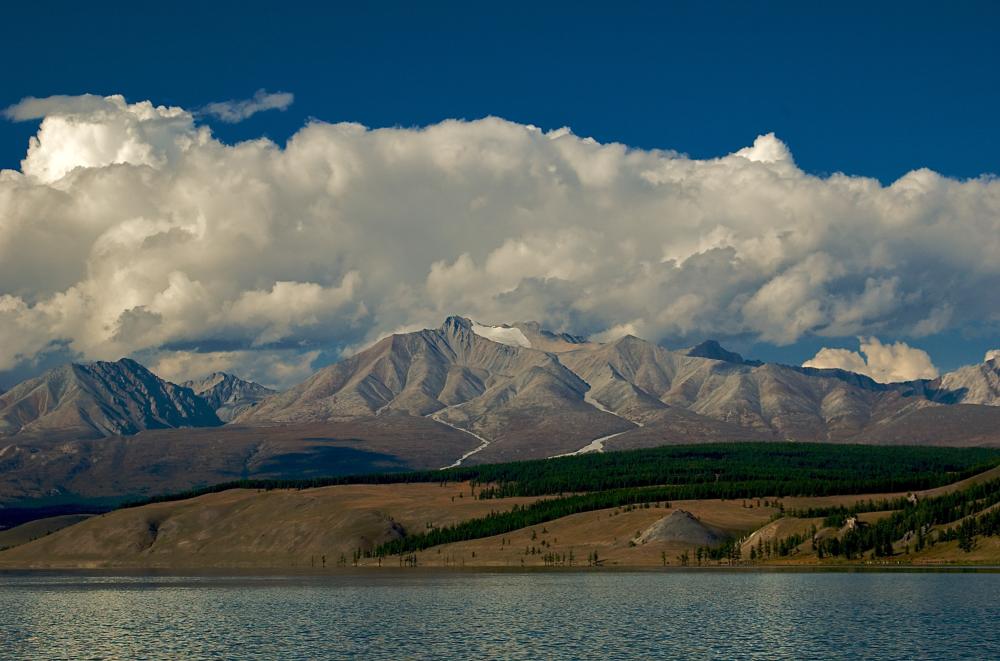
543,615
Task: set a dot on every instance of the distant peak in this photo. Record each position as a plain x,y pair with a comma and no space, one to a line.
454,321
533,328
122,363
715,351
219,378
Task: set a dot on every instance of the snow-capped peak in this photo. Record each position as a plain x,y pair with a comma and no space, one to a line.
502,334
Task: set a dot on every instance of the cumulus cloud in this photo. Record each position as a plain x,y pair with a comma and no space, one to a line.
236,111
131,229
93,132
885,363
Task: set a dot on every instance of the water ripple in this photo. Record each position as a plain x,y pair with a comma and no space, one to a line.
416,615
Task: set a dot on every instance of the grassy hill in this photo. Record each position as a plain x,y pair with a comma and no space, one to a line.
767,502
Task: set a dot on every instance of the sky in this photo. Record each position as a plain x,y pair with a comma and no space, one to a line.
802,183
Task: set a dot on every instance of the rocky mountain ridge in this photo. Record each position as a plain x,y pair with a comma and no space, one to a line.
229,395
103,399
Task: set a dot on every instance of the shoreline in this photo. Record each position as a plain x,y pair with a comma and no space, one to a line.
293,572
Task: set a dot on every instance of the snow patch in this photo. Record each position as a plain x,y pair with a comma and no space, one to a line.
502,335
596,445
483,442
588,398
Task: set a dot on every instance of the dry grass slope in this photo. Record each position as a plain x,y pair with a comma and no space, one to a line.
319,528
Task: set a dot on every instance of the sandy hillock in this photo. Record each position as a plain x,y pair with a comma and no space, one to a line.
680,526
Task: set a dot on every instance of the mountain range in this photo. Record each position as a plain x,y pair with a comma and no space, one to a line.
520,388
525,392
102,399
121,398
471,393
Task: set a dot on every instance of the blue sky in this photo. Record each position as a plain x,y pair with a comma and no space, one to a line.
865,88
869,89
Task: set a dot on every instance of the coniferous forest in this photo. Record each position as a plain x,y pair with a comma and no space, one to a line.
723,469
639,478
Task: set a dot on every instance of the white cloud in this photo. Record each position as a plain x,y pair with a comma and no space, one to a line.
91,132
766,149
130,229
236,111
275,369
885,363
288,306
32,108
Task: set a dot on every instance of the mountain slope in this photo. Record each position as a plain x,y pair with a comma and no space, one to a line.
638,380
525,401
463,392
417,373
546,340
523,391
49,468
526,391
101,399
974,384
229,395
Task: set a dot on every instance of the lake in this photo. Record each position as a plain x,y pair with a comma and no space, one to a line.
531,615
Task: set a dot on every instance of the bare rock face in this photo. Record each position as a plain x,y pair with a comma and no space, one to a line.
228,395
101,399
682,527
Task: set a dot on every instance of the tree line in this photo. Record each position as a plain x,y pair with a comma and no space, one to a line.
914,521
497,523
814,469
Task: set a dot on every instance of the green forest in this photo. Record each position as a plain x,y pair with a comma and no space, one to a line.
913,522
715,470
640,478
